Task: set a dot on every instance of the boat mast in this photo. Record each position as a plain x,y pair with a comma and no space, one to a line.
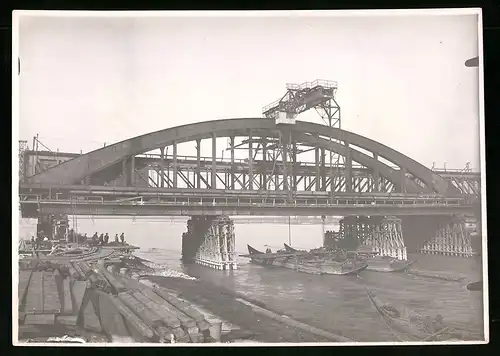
289,232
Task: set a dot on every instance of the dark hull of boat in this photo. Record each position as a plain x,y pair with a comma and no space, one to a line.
475,286
380,266
309,269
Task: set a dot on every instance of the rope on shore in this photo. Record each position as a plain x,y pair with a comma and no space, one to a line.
294,323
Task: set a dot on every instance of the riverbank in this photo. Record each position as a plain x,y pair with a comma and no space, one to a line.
231,306
97,297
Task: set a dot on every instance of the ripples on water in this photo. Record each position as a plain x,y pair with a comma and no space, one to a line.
335,303
339,303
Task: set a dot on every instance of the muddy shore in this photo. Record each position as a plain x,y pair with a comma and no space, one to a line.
225,304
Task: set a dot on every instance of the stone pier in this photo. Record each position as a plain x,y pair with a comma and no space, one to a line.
210,241
452,238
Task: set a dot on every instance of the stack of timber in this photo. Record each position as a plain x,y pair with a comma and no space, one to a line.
91,299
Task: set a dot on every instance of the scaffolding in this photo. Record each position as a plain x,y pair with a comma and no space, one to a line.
23,147
320,96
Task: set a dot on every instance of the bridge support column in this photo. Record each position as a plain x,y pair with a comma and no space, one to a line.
451,239
250,160
387,239
210,241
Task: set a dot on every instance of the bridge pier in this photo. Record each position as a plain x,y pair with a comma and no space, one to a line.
387,239
450,239
210,241
383,235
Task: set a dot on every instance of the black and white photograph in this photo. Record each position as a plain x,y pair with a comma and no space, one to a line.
249,178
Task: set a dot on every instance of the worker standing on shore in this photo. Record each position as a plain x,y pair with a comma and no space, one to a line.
101,239
116,238
122,238
106,239
94,238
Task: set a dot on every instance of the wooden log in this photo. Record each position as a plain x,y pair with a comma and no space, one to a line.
115,283
111,319
168,318
140,309
20,317
34,331
22,287
40,319
132,318
79,270
185,320
78,292
67,302
67,320
73,273
52,299
193,330
180,335
90,317
196,337
166,334
34,296
203,325
179,304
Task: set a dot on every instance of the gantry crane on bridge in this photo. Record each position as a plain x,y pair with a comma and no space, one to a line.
283,151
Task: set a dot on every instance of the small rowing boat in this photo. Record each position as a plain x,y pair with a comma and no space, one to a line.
409,325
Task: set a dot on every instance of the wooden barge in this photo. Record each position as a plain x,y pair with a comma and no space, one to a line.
307,262
88,298
375,262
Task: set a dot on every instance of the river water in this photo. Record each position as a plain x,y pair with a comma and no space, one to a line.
334,303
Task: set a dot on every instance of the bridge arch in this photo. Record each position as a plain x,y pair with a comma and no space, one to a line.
74,170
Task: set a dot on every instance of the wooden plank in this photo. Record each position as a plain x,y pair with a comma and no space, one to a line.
133,319
111,319
67,302
203,325
40,319
34,296
196,337
166,334
140,309
51,301
89,315
117,285
186,321
20,317
78,292
179,304
180,335
22,287
168,318
67,320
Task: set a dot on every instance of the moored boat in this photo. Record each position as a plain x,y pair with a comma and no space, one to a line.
378,263
306,262
409,325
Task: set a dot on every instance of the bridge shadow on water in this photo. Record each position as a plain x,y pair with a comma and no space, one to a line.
339,303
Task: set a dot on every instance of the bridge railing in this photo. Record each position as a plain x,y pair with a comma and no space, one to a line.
254,202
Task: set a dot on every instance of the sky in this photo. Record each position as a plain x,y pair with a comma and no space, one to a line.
402,80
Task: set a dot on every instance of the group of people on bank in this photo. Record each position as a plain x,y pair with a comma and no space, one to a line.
103,239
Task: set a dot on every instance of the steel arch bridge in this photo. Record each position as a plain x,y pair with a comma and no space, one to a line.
273,162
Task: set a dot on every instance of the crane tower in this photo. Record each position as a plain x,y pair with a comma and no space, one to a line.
318,95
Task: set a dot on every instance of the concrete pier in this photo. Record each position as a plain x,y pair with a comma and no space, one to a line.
210,242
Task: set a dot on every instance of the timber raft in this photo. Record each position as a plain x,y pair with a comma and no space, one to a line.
92,298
